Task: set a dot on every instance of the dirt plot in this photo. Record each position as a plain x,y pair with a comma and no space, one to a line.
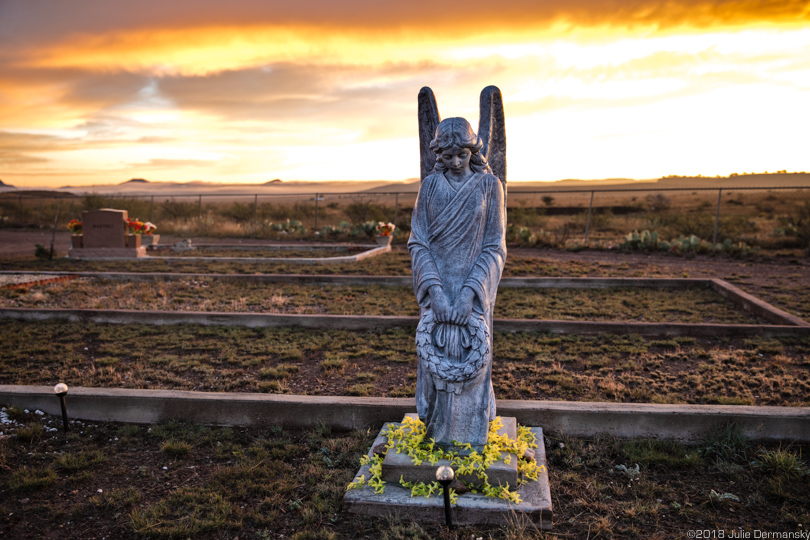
184,481
627,369
781,281
686,305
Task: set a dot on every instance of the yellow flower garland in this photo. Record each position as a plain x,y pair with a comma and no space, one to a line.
408,438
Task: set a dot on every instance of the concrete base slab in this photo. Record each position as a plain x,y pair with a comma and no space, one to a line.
107,253
114,254
470,509
685,423
396,466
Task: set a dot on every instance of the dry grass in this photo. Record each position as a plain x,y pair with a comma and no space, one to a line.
299,361
265,483
689,305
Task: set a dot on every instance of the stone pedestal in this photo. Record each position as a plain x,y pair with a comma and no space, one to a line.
107,253
470,509
150,240
384,240
133,240
105,237
400,465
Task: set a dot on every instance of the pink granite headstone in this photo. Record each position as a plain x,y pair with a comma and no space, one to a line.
104,228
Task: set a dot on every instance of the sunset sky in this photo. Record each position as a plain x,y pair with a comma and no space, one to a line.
98,91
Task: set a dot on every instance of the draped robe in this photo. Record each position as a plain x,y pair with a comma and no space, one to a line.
457,240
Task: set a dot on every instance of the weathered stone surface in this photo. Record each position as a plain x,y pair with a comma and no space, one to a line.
458,249
150,240
499,473
104,228
107,253
471,508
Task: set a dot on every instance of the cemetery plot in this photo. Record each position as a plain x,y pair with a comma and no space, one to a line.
683,305
781,282
387,264
631,369
226,251
180,480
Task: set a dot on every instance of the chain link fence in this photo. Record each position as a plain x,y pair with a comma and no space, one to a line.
762,217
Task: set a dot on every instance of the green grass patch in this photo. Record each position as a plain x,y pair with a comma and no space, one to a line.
268,482
73,462
31,478
187,512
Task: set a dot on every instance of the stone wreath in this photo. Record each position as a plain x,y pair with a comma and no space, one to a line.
437,362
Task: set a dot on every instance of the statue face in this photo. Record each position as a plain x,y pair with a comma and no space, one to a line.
457,160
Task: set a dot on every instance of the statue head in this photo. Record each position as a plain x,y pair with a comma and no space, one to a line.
458,133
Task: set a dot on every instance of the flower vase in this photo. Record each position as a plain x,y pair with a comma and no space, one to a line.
133,240
384,240
77,241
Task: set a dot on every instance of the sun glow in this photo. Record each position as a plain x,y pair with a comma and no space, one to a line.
589,96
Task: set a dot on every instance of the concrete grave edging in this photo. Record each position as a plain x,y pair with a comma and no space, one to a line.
687,423
292,260
365,322
743,300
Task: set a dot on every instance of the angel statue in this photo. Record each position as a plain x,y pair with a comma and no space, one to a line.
458,248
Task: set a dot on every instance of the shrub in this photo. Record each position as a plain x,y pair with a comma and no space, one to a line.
172,209
658,202
726,443
365,212
798,225
239,212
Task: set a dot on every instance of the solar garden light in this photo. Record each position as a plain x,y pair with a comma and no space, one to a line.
61,390
444,475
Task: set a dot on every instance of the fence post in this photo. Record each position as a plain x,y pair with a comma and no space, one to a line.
396,207
256,210
316,211
72,202
21,208
199,213
151,207
717,218
588,223
39,217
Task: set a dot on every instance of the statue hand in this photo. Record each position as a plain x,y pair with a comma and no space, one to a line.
439,304
462,307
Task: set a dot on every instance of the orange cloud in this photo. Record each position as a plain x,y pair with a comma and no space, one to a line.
208,37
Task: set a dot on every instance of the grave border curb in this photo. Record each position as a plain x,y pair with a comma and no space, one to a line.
373,252
366,322
744,301
686,423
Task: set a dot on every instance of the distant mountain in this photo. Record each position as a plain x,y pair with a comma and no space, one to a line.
408,186
800,179
3,185
141,187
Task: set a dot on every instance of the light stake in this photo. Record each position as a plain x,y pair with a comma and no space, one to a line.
61,390
445,475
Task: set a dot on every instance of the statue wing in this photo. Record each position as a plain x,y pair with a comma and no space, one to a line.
428,122
492,130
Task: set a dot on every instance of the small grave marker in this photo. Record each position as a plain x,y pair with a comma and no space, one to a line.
104,228
105,236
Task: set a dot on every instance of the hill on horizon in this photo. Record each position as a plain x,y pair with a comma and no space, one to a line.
141,186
